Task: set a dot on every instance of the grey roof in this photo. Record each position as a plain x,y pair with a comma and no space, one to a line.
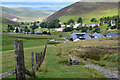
80,35
38,32
112,34
98,35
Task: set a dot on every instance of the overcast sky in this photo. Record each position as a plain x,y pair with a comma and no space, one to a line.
40,0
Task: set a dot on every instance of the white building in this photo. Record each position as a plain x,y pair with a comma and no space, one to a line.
16,28
88,25
76,25
112,23
15,19
59,29
68,25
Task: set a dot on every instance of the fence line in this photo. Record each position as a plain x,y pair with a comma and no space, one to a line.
20,69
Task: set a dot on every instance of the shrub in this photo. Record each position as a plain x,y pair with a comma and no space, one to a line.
44,32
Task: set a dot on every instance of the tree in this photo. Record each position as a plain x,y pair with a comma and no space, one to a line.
96,26
44,32
109,23
21,30
38,21
54,24
78,28
64,23
84,29
9,27
44,25
90,28
113,27
17,30
79,20
26,29
93,20
68,29
33,27
22,23
70,21
97,30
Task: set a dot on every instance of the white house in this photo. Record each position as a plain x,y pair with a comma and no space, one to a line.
59,29
88,25
15,19
62,25
76,25
16,28
68,25
112,23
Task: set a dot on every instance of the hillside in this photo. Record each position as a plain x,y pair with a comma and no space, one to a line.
4,22
89,9
24,13
100,52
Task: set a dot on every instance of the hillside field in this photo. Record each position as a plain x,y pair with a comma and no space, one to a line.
87,17
57,56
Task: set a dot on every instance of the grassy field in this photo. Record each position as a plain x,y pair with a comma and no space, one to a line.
87,17
29,40
103,52
57,56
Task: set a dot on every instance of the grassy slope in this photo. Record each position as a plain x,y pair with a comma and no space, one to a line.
57,56
82,8
53,66
109,56
34,40
4,22
87,17
27,12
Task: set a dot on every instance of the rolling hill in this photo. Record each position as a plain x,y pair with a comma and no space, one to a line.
87,10
23,14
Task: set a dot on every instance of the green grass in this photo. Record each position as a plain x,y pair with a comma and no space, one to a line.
87,17
107,57
53,66
57,57
29,40
50,68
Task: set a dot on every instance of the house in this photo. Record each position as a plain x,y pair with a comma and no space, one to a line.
88,25
76,25
58,29
80,36
28,32
112,35
62,25
16,29
38,32
103,29
112,23
68,25
97,35
15,19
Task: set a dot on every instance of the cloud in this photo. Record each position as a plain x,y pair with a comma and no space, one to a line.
40,0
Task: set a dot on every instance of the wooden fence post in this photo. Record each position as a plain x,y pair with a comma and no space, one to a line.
44,51
33,64
36,55
41,59
19,60
38,59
